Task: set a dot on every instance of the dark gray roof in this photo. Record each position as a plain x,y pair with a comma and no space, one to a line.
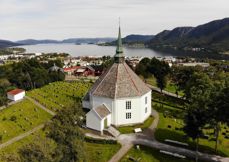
119,81
55,68
102,111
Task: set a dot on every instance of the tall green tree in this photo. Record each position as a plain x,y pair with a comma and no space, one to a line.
4,84
143,68
160,70
198,88
65,130
219,110
198,92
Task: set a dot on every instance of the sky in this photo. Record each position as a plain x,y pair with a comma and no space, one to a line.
61,19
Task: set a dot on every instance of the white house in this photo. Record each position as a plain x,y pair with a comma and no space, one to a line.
16,94
119,95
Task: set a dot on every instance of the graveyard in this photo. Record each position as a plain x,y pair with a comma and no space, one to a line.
58,95
171,123
20,118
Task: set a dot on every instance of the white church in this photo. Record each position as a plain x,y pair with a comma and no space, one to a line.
119,97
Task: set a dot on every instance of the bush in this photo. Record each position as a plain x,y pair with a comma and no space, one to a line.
1,137
13,118
99,141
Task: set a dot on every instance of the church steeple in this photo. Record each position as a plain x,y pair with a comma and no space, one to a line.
119,56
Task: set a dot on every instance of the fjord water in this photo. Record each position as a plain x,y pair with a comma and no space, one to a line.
90,50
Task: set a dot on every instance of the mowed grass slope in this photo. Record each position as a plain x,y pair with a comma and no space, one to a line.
58,95
19,118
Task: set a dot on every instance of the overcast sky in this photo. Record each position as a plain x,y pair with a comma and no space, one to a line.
60,19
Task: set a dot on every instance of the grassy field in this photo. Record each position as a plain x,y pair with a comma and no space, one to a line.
171,124
58,95
146,154
19,118
130,129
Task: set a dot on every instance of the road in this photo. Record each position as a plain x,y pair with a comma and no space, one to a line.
147,139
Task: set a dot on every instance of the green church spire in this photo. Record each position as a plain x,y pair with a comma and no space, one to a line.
119,56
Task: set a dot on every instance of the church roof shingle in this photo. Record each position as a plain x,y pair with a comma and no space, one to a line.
119,81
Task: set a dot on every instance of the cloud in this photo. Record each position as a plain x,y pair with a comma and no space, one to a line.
59,19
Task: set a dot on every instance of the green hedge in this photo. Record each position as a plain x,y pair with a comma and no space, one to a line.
99,141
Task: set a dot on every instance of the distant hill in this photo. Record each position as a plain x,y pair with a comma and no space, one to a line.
34,41
88,40
70,40
213,35
6,43
133,39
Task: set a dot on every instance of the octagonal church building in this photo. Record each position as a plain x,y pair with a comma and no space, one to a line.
119,97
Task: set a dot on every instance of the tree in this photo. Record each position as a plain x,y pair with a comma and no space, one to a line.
35,152
198,88
219,110
4,84
181,75
198,93
65,130
160,70
195,120
143,68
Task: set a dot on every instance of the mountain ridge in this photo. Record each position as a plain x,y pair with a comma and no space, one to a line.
213,35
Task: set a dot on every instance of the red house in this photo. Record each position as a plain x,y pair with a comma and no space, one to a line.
85,71
71,70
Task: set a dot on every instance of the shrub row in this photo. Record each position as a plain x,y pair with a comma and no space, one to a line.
100,141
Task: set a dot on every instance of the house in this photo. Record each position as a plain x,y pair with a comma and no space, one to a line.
16,94
71,70
193,64
119,97
55,68
85,71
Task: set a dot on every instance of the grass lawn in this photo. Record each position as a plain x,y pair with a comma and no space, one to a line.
58,95
147,154
170,116
100,152
130,129
19,118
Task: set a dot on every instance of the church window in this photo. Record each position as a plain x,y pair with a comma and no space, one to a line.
145,100
128,104
128,115
146,110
